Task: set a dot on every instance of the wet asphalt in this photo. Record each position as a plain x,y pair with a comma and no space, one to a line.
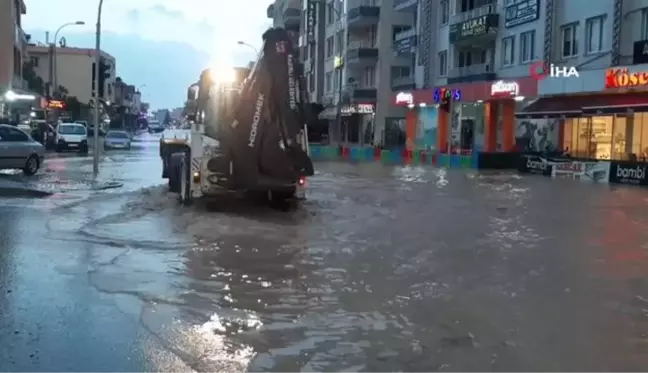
381,269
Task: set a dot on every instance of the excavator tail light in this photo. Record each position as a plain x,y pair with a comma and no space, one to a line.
302,181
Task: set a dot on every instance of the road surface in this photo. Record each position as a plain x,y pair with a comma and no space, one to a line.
382,269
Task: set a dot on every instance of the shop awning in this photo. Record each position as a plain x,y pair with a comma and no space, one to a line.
328,113
575,106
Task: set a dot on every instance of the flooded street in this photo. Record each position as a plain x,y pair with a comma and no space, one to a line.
381,269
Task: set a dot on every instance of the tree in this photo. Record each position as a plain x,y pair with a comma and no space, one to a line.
34,82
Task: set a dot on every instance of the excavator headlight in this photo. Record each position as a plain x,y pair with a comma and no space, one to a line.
196,177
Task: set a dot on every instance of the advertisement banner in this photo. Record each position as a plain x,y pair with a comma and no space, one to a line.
535,165
591,171
628,173
311,19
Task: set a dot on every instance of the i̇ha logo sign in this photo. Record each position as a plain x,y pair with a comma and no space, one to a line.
505,89
541,70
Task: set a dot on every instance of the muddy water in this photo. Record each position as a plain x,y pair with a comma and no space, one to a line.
382,269
422,269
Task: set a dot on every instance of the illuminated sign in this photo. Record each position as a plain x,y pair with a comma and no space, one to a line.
56,104
404,98
623,78
505,89
443,95
311,14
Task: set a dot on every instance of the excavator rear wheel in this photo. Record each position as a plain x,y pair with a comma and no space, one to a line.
173,171
185,198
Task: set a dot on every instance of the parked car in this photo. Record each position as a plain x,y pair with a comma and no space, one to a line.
19,151
71,136
117,140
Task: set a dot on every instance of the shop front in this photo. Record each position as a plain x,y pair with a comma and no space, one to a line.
356,122
600,118
466,116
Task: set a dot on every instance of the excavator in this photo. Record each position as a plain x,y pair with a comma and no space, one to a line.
248,130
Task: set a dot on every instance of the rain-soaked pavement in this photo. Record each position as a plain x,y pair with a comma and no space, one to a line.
382,269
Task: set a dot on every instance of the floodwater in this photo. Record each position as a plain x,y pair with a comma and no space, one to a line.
381,269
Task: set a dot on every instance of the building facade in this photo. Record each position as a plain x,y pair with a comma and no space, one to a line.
13,43
483,61
74,70
349,63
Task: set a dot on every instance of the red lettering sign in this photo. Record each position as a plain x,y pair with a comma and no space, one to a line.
623,78
570,167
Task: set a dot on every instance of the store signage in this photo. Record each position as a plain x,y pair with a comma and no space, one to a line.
444,94
483,25
505,89
55,104
623,78
628,173
519,12
640,52
594,171
541,70
404,98
535,165
311,19
405,46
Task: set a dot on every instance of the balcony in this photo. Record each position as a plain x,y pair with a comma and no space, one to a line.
405,5
475,27
472,73
405,42
361,92
20,38
361,52
403,83
367,14
291,18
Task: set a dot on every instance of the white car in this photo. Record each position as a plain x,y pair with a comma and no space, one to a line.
71,136
117,140
19,151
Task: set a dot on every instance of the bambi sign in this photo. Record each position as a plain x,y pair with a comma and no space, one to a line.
623,78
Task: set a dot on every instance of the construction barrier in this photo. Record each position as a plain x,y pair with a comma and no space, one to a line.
414,157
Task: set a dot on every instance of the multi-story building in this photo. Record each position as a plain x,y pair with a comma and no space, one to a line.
486,60
346,47
73,68
13,42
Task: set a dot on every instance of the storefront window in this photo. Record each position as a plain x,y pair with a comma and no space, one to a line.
622,137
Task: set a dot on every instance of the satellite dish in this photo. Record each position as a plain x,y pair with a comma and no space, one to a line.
62,42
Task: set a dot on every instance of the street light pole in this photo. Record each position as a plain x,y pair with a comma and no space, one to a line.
256,51
52,56
95,152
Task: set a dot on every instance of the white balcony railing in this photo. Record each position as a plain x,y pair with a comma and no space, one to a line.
357,44
20,38
405,34
471,70
473,13
402,81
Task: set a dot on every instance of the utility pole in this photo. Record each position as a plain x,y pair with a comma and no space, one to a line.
95,152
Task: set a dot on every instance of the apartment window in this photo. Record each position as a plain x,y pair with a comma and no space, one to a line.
569,35
445,12
339,42
34,61
311,82
328,81
17,62
527,46
508,51
400,72
398,29
594,34
329,47
330,13
644,24
370,76
443,63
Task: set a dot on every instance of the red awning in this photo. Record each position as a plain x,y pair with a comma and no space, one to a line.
573,106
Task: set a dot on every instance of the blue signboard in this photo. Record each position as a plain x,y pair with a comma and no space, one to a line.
441,94
405,46
519,12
